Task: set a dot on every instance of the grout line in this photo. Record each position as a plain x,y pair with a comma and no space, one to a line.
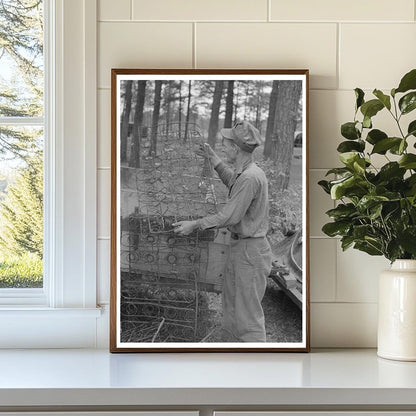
269,10
104,168
194,63
131,9
307,22
99,238
338,63
414,9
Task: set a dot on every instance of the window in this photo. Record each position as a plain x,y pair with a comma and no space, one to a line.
21,143
63,312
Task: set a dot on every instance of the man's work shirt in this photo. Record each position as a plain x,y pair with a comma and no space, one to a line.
246,212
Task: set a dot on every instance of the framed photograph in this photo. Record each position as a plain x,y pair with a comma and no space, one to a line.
209,211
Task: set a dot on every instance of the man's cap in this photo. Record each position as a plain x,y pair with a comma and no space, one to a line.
244,135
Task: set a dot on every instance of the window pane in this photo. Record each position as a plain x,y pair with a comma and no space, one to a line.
21,58
21,208
21,146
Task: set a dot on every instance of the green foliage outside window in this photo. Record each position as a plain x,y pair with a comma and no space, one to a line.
21,145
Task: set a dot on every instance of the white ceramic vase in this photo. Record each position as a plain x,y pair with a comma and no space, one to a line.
397,312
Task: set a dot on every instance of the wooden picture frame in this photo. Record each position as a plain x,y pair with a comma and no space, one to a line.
172,292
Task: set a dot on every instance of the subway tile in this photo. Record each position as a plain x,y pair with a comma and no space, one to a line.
143,45
104,202
103,271
323,269
341,10
376,55
104,129
200,10
319,203
328,110
114,10
346,325
357,275
270,46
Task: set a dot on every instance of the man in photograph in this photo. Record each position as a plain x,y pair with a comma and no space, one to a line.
246,215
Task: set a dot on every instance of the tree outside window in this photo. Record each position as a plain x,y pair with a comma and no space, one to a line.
21,143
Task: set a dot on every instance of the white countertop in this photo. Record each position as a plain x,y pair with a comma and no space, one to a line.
96,377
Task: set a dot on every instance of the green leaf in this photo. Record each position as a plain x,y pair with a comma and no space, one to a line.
342,211
385,99
346,242
349,131
407,240
368,201
408,102
325,186
336,228
368,248
367,122
375,212
391,170
361,231
351,187
398,149
359,94
411,130
375,136
408,161
408,82
350,146
371,108
338,171
383,145
348,158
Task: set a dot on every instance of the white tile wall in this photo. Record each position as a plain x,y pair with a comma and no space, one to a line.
114,10
341,10
271,45
376,55
200,10
323,269
345,44
142,45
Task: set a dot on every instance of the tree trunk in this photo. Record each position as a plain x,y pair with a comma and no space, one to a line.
229,105
215,112
155,118
258,107
168,100
125,118
188,111
137,126
268,145
180,110
285,126
236,102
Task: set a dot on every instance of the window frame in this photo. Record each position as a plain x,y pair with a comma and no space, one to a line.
70,171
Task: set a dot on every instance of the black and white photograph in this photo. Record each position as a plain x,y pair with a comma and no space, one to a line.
209,214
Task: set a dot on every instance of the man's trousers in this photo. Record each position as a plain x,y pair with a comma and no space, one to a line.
244,286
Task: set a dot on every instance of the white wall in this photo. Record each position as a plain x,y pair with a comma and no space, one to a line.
345,44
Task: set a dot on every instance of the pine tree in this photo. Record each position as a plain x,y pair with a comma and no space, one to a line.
21,211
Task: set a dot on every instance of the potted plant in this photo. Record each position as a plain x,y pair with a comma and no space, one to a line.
376,209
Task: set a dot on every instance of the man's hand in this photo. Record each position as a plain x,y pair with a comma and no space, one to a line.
206,151
184,227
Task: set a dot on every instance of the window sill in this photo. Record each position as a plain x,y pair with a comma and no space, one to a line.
40,327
